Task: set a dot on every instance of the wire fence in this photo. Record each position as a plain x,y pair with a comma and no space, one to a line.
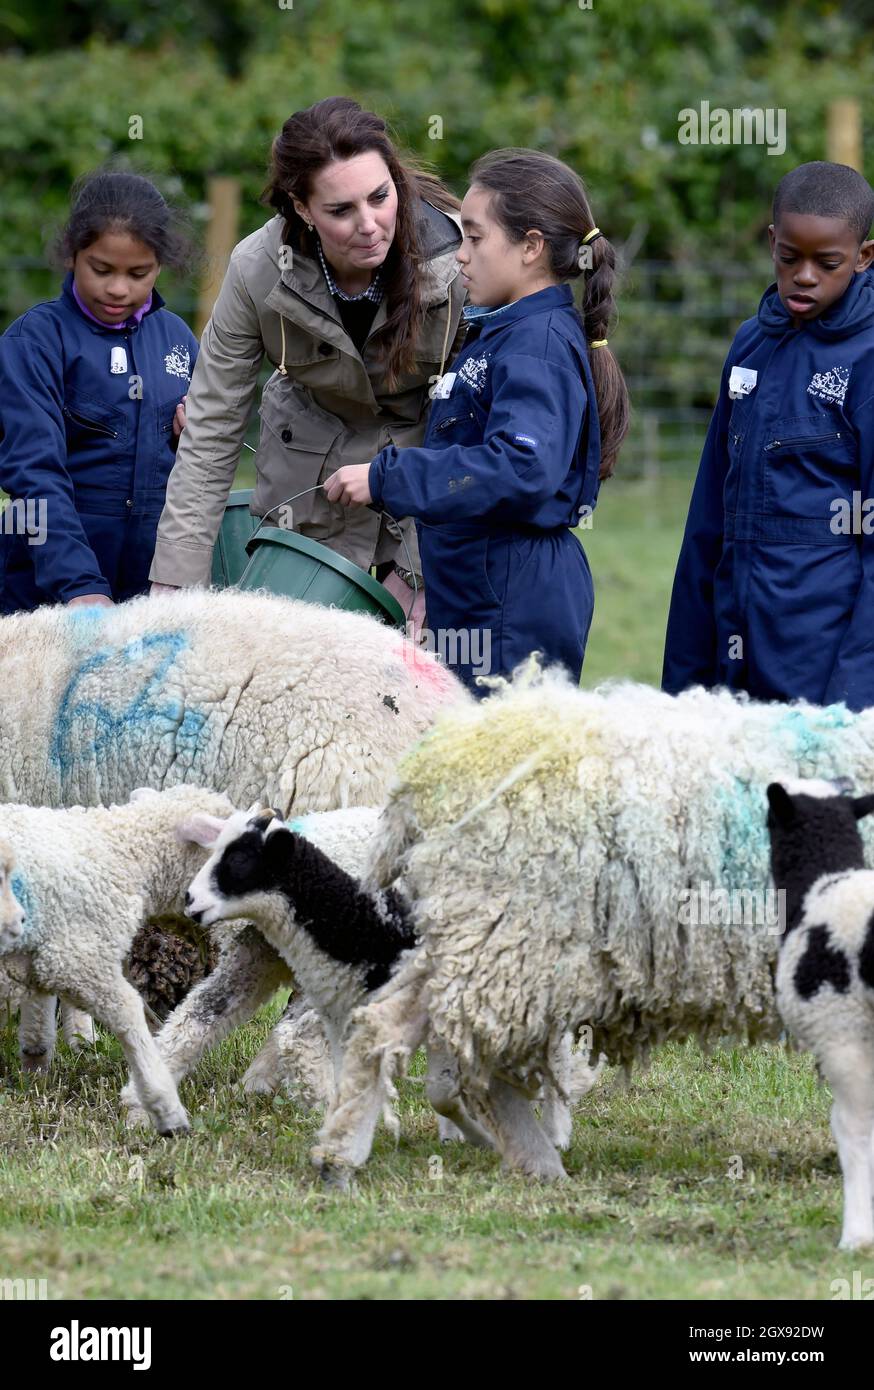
676,321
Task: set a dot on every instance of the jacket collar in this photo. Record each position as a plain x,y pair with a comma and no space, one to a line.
68,298
497,317
846,317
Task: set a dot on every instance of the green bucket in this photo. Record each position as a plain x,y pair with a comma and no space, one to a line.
297,567
229,557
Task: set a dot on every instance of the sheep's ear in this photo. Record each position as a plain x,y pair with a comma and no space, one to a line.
200,829
141,793
863,805
780,802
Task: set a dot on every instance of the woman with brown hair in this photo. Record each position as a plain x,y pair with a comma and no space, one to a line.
353,292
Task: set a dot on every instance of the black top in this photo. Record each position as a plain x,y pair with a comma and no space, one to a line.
357,316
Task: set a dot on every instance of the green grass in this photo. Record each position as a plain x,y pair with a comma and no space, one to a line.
234,1211
632,547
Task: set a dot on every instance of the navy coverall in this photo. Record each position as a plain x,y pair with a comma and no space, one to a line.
774,589
91,446
509,462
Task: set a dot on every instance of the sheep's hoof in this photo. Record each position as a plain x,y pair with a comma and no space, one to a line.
856,1242
333,1173
258,1084
36,1061
540,1171
136,1118
174,1130
337,1179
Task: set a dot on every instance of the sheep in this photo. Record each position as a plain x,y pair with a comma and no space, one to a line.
296,884
556,845
825,971
261,697
86,878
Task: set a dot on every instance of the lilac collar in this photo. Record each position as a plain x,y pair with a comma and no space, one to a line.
135,317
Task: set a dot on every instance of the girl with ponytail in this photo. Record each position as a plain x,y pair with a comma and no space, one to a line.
522,428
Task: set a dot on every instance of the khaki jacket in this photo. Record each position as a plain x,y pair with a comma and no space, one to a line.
328,408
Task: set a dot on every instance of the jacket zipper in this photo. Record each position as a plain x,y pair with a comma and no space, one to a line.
804,439
453,420
90,424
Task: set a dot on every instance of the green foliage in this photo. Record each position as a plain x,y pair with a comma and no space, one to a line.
601,88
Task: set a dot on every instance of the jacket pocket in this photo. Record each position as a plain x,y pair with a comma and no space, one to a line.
295,442
88,420
809,463
496,568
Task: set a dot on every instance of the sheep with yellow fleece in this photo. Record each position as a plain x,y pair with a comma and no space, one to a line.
563,851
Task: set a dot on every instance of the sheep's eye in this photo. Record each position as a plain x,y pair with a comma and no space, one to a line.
239,867
239,860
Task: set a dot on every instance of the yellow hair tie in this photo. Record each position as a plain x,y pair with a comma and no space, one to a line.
596,231
599,342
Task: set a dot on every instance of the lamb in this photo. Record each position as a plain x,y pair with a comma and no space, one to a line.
825,972
260,697
86,878
38,1024
11,910
556,846
295,883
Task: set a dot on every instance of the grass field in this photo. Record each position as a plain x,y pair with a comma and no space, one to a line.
710,1177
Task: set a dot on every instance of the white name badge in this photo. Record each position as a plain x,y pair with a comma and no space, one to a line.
741,382
443,387
118,361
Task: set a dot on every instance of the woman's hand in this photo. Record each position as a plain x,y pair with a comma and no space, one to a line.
399,589
179,417
349,485
163,589
90,601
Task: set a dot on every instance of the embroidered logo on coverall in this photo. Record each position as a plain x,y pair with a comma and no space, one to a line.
474,372
178,361
831,385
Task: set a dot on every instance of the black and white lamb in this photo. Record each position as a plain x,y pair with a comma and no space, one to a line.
825,971
317,929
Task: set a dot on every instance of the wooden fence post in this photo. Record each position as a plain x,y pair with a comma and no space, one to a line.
223,196
844,133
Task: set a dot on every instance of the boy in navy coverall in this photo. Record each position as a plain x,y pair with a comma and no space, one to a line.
774,589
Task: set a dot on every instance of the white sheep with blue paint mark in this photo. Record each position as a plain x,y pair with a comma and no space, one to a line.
556,845
86,879
264,698
825,973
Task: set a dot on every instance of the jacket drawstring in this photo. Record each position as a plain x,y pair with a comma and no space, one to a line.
446,335
281,368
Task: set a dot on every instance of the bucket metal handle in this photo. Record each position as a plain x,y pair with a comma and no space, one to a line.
389,519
